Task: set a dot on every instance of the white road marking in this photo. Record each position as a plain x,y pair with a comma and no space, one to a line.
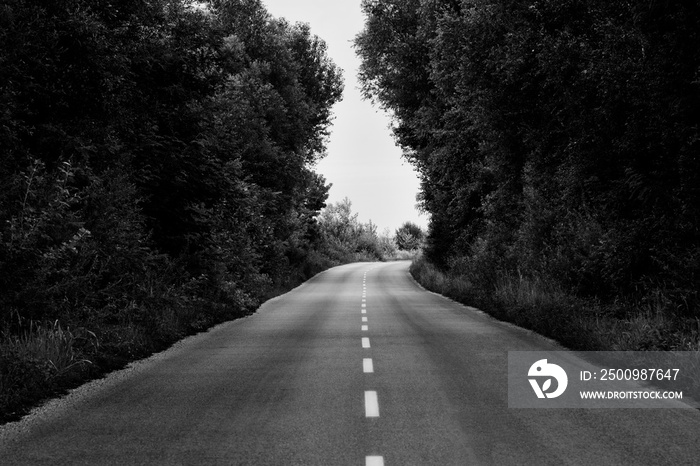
364,319
364,311
371,404
367,366
364,305
364,328
365,342
374,461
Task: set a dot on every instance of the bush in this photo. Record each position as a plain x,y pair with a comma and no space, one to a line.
542,305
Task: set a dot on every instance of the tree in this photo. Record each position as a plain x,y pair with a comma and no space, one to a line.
552,138
409,236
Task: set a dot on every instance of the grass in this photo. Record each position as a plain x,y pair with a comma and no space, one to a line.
577,323
41,359
51,344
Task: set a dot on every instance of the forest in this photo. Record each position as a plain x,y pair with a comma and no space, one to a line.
157,178
558,145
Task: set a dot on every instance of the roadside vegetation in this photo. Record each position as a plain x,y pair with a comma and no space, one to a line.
557,144
157,178
579,323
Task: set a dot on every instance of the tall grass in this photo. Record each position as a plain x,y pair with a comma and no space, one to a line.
38,360
51,346
579,324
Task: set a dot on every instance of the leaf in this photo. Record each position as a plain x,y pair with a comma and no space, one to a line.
546,385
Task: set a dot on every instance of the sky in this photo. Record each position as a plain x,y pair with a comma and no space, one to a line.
363,162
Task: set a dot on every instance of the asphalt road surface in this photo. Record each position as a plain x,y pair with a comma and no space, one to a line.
358,366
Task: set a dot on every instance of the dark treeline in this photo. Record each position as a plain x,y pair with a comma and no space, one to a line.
157,174
558,141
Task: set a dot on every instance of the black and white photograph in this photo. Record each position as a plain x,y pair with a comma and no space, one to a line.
349,232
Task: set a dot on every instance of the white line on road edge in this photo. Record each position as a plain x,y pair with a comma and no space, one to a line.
374,461
367,366
365,328
371,404
365,342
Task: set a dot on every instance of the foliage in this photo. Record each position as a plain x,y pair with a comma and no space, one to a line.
580,324
158,175
556,140
346,239
409,237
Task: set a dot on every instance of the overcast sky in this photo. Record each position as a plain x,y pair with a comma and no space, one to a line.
363,162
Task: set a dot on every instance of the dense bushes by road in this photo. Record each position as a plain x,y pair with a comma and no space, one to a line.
156,177
557,143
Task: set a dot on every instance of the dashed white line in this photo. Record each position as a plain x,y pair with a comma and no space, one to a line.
364,305
364,311
371,404
364,319
365,342
365,328
367,366
374,461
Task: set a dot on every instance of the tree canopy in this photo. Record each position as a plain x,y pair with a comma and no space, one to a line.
553,138
157,168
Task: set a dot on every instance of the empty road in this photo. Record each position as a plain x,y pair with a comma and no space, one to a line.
358,366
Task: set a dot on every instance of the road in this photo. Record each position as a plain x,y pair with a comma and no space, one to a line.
302,382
